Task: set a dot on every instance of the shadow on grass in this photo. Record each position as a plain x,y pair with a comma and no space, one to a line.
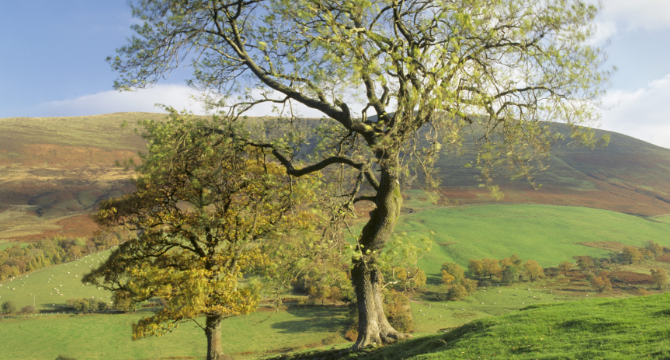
313,319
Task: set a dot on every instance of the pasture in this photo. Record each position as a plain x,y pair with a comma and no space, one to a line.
547,234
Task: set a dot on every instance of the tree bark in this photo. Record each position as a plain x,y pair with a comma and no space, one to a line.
213,333
373,327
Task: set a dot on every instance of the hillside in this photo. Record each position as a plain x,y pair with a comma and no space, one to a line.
54,170
593,329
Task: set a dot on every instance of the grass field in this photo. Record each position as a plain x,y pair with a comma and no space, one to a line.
41,285
548,234
545,233
592,329
108,336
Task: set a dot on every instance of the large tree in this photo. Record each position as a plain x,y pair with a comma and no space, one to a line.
203,207
394,79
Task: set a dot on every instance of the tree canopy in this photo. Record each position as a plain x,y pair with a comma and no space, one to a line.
397,80
203,206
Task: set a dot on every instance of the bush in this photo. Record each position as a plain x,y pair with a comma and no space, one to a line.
28,309
457,292
469,285
61,357
485,283
398,311
8,307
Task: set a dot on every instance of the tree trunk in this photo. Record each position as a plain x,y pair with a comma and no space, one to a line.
213,333
373,327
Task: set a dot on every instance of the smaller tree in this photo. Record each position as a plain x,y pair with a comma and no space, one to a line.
8,307
476,267
533,269
660,278
491,268
510,274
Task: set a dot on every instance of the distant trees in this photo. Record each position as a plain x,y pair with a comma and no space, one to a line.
660,278
476,267
16,260
85,305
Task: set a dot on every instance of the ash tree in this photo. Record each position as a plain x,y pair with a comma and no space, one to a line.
399,82
203,208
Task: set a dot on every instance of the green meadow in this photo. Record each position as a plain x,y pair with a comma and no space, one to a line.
631,328
106,336
547,234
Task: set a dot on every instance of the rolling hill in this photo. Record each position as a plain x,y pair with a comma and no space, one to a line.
54,170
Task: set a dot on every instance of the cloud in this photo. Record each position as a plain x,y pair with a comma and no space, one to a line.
631,14
178,96
643,114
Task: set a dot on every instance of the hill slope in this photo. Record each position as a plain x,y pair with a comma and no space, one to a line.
54,170
592,329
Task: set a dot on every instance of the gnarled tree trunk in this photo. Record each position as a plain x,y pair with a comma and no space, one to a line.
373,327
213,333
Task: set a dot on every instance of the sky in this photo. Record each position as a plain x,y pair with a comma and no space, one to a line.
52,63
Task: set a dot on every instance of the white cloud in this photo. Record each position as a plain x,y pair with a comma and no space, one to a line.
144,100
631,14
604,31
643,114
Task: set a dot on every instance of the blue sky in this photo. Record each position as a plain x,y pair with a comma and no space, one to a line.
52,63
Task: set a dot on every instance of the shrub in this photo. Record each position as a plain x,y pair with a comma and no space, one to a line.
398,311
485,283
469,285
8,307
457,292
28,309
61,357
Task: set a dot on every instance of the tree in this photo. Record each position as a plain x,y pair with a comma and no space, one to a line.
203,206
660,278
8,307
510,274
453,270
476,267
533,269
28,309
491,267
503,68
632,255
